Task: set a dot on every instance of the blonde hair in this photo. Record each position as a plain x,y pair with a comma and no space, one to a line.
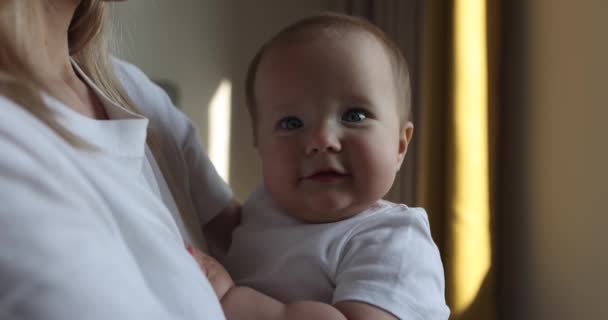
88,46
19,23
321,25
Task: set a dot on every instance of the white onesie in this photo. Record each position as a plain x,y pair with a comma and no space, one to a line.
383,256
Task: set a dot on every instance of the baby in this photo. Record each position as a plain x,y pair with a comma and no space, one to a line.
329,97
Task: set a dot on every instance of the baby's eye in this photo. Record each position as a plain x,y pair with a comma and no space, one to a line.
354,115
290,123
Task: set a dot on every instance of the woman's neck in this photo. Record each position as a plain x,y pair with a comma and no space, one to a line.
54,58
54,64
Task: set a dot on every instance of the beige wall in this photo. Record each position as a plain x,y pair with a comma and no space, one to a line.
554,228
188,42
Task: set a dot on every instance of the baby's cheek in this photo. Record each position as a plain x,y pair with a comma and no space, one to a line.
369,153
273,176
377,167
279,176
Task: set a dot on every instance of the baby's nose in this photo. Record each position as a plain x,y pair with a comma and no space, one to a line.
323,140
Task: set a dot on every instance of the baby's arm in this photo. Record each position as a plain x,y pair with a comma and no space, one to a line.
246,303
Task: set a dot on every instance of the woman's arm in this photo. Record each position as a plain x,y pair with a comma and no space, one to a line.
218,232
205,200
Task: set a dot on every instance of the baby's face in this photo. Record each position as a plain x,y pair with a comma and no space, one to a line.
328,127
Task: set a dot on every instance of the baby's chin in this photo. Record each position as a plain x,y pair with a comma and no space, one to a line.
325,215
318,218
326,205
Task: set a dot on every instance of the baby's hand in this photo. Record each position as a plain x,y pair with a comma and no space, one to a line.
216,273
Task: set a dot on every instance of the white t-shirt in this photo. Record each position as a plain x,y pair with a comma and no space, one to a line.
96,234
384,256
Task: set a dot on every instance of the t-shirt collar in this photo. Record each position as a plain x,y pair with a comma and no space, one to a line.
123,135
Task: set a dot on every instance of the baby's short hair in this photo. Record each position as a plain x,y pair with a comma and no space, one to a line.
331,23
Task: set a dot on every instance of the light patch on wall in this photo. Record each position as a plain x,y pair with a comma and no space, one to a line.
219,129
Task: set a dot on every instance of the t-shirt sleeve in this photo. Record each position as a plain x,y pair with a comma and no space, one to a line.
181,143
59,257
392,262
210,193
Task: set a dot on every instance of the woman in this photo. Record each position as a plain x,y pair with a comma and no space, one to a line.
102,180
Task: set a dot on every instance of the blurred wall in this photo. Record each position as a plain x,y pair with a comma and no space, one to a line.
198,43
188,42
553,218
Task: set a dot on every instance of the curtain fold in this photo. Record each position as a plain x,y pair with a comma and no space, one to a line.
451,47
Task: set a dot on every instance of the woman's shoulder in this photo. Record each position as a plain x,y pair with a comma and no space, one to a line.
144,93
17,123
153,102
29,146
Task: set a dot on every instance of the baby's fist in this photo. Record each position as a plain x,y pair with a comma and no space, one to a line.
216,273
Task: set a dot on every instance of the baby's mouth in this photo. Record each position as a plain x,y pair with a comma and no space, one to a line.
327,175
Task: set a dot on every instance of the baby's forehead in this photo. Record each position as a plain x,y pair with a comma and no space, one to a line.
322,36
325,46
282,55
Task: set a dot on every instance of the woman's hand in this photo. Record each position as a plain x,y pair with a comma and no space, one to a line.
216,273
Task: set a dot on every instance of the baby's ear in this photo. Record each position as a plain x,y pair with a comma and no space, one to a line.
405,136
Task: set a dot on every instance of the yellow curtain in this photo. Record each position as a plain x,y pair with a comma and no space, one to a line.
457,155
